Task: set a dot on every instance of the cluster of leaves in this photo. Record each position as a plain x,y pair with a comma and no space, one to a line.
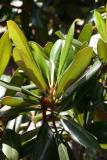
62,84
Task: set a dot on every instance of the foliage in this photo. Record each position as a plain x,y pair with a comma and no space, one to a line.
58,88
39,19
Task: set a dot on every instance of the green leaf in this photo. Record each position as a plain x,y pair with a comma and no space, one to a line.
70,57
80,63
63,154
85,77
18,79
29,66
99,129
55,56
11,144
66,47
23,55
102,50
18,37
51,73
45,145
5,51
60,35
27,148
39,57
47,48
15,101
100,24
86,33
80,135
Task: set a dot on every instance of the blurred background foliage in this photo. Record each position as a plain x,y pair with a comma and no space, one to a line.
40,19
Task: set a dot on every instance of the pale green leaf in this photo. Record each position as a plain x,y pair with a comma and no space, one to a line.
63,154
11,144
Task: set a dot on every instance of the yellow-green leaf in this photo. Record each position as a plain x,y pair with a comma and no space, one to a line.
23,55
65,48
100,24
5,51
29,66
102,50
39,57
86,33
18,37
80,63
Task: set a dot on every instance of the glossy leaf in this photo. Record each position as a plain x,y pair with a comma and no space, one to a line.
80,135
39,57
63,154
99,129
65,48
45,145
30,68
5,51
102,50
80,63
55,55
100,24
86,33
11,144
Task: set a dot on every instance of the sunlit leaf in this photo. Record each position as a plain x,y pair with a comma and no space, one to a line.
47,48
60,35
86,33
80,63
23,55
30,68
55,55
18,37
85,77
39,57
102,50
5,51
66,47
15,101
100,24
